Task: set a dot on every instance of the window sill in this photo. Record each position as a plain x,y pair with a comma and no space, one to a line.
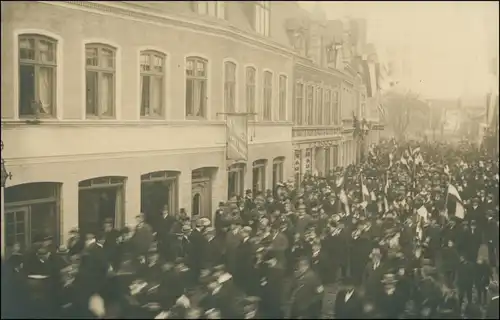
270,123
153,118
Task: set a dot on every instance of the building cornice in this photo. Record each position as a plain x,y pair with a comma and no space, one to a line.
126,10
333,72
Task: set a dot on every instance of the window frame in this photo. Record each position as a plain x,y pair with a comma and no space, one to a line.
251,102
238,169
262,24
319,105
230,106
152,54
260,164
309,106
282,97
197,79
218,8
298,115
279,162
327,101
267,95
100,71
37,64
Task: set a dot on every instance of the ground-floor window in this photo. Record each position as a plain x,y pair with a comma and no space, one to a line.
235,180
158,191
328,152
259,176
278,173
100,199
335,155
31,211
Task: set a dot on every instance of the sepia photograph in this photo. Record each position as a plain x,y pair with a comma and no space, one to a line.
250,159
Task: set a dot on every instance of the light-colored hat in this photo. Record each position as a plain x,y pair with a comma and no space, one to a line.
186,228
389,278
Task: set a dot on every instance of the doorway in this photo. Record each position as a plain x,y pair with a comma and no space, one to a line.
201,192
100,199
158,189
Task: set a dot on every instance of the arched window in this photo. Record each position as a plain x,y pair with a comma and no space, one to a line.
152,66
196,87
37,75
229,86
267,94
250,90
259,176
100,69
31,211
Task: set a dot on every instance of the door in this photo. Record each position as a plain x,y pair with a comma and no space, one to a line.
17,228
201,204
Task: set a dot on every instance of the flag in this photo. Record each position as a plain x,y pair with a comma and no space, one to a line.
344,201
422,212
453,195
339,182
373,197
446,170
364,190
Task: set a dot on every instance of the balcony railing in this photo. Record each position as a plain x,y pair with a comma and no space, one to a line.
315,131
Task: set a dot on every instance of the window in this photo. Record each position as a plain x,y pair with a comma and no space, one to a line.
196,87
335,109
268,95
250,90
319,106
277,171
37,75
299,103
262,21
259,176
152,83
309,106
235,180
230,87
100,80
328,108
282,98
210,8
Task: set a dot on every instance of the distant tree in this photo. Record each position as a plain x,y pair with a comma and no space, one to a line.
403,110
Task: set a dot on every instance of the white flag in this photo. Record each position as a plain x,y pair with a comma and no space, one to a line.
344,201
422,212
365,191
339,182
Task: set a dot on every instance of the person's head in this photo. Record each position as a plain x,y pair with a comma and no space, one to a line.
108,225
302,266
450,243
376,255
165,211
139,218
90,238
16,247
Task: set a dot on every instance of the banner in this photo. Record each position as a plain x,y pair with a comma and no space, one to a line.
237,137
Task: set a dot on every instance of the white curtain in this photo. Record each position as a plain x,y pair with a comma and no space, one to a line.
156,96
45,89
199,97
106,94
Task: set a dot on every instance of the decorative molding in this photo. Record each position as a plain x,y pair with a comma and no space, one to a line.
20,124
193,22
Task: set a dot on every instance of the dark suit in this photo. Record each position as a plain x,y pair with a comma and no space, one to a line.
350,309
307,297
272,290
212,254
246,276
372,278
142,239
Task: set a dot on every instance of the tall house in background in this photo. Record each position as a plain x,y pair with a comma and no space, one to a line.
110,109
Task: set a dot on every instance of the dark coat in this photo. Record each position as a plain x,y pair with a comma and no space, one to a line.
212,254
350,309
391,306
142,239
492,309
307,296
372,278
272,291
465,274
245,275
482,275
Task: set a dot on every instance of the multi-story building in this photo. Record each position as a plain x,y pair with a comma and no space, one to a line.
331,79
114,108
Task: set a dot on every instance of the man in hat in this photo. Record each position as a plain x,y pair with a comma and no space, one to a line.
246,276
165,229
472,242
373,273
219,217
389,301
198,242
272,286
143,237
231,244
181,246
249,203
110,243
307,292
212,253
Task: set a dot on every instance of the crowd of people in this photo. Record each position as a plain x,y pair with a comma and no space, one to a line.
388,232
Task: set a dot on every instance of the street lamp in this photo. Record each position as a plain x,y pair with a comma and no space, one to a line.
5,174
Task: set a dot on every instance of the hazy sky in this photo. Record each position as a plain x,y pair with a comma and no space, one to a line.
446,43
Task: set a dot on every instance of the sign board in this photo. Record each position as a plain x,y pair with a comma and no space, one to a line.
237,137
